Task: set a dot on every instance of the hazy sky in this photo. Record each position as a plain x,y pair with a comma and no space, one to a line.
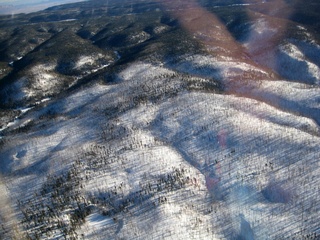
26,6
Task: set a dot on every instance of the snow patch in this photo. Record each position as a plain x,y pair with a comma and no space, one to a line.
143,70
296,66
139,37
85,60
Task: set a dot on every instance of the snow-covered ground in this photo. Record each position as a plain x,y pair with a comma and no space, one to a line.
240,167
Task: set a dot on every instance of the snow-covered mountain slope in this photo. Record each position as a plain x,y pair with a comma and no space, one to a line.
150,157
136,120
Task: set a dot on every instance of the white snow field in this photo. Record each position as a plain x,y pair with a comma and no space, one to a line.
151,159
